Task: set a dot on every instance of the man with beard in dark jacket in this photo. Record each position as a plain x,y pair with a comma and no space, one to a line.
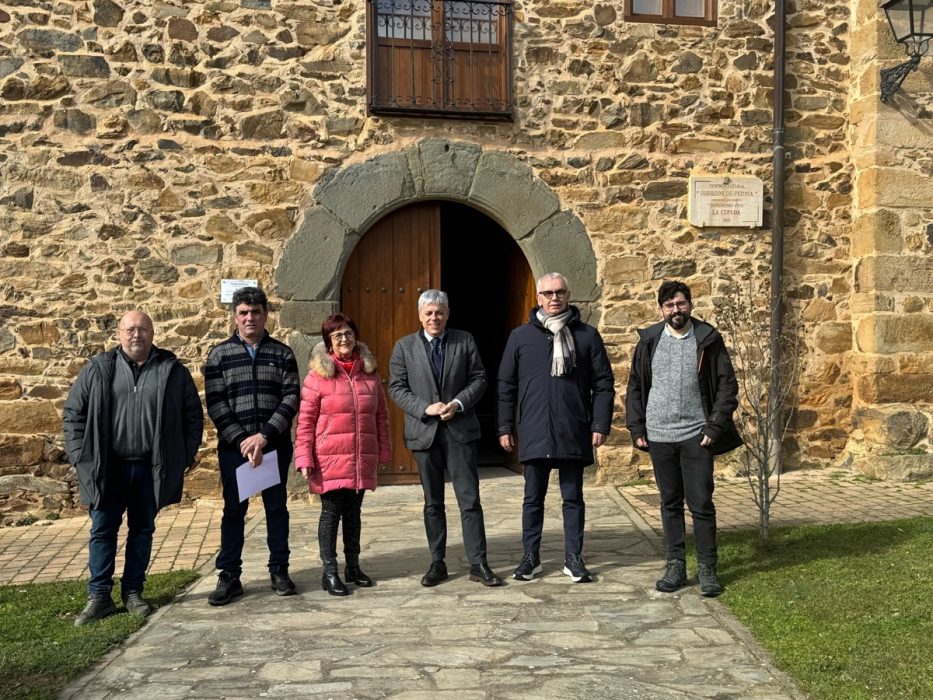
133,423
556,394
682,393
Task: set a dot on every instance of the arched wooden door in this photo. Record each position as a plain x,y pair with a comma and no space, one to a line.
446,246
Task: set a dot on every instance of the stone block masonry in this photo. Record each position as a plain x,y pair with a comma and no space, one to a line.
148,150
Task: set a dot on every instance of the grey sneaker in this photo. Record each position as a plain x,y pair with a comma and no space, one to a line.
575,568
528,568
135,605
98,607
709,582
675,576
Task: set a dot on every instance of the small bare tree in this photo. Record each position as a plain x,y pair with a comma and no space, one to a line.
767,384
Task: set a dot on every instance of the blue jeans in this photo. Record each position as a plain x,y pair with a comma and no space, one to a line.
128,489
570,476
684,471
232,524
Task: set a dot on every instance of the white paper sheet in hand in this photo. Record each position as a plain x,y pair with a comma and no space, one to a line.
251,480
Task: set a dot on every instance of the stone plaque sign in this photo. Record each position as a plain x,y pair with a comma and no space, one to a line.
228,287
726,200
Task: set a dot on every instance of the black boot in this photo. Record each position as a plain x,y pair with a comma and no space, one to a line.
354,574
330,581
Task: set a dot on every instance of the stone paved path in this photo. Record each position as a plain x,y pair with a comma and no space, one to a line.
548,638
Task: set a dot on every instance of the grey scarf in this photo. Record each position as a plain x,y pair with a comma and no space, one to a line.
565,354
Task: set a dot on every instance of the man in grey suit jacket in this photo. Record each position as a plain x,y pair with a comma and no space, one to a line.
436,378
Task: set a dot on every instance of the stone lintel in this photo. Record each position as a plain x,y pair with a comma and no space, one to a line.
507,190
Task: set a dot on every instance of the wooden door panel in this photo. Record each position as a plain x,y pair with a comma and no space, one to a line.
393,263
521,298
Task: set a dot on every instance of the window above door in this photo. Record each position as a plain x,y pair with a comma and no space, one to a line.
698,12
440,58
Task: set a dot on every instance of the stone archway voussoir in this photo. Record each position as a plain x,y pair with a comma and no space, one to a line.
361,194
306,270
506,189
560,244
349,200
444,169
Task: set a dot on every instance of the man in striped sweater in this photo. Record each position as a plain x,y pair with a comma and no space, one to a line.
252,391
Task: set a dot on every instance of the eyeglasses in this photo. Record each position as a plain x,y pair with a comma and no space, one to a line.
671,305
136,330
343,335
551,293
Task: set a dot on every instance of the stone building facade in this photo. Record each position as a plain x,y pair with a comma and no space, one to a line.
150,149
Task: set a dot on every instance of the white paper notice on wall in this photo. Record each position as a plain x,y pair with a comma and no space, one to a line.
726,200
228,287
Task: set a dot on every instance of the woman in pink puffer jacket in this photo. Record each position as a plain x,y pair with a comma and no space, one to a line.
342,438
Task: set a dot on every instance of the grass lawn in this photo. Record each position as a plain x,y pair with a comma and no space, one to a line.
845,609
40,648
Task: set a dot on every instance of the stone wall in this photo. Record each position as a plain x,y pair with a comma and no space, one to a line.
148,150
892,240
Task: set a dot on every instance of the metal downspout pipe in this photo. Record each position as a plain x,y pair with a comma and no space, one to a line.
777,228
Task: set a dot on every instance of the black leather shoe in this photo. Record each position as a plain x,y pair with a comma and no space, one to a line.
331,583
354,574
281,583
436,573
228,588
484,575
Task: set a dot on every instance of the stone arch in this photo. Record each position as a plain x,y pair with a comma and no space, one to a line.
349,200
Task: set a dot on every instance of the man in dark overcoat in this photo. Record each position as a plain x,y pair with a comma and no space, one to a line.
555,396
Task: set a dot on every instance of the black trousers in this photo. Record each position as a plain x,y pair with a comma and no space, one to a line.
570,476
460,461
337,505
684,470
232,524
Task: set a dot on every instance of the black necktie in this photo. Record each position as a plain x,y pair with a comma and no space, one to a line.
437,359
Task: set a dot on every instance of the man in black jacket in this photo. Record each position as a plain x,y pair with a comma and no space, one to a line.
556,394
133,424
682,393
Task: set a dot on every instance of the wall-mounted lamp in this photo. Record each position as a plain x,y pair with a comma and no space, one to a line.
912,24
